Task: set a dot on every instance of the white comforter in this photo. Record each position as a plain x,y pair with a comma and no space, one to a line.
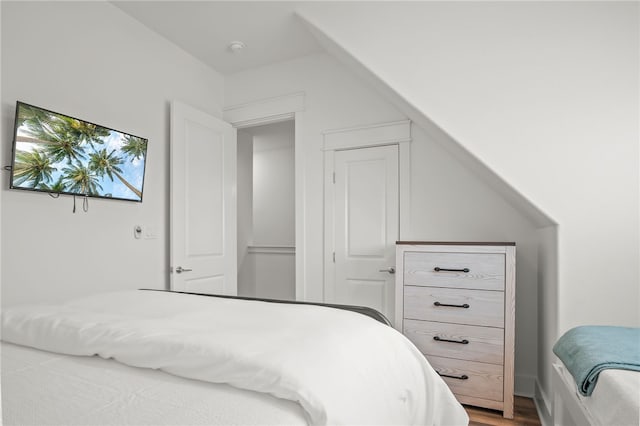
342,367
41,388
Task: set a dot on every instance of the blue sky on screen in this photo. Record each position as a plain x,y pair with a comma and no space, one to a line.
132,171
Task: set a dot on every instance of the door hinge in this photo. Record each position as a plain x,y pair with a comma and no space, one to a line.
334,257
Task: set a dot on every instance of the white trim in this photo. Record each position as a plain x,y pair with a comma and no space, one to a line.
543,406
264,111
328,241
300,211
260,249
263,120
396,132
404,193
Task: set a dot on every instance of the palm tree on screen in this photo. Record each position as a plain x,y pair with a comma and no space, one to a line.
109,164
85,132
134,147
63,137
81,179
32,117
64,148
49,130
57,186
33,167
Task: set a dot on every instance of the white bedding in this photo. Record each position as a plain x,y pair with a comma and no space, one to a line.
341,367
615,399
45,389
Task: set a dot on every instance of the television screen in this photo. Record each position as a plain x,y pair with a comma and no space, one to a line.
56,153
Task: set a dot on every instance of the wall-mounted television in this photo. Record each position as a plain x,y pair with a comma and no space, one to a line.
59,154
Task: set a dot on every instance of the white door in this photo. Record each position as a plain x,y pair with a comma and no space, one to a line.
203,203
366,227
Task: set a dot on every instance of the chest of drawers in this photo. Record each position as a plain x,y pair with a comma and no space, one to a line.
456,303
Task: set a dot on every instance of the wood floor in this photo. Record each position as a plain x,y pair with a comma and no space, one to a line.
525,414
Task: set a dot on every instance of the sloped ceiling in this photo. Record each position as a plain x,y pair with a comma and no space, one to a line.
519,201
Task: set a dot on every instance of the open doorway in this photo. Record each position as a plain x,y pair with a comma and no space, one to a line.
266,211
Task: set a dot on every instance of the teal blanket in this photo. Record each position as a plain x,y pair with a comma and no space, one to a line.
587,350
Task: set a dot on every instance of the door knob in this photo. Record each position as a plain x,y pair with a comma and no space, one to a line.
390,270
180,270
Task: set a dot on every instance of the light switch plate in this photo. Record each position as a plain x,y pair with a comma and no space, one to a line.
150,232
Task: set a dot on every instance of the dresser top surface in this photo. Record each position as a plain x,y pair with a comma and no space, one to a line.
454,243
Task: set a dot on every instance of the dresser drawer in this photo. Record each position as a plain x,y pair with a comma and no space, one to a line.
482,380
485,270
484,308
484,344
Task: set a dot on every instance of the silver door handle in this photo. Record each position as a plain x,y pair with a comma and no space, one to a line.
180,270
390,270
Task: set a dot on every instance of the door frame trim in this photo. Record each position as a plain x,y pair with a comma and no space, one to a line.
379,134
274,110
265,111
390,133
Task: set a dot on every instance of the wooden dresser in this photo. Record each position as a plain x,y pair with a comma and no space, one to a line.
456,303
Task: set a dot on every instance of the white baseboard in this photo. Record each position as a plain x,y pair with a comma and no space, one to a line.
543,406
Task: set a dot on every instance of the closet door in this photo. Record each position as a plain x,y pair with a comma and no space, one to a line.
203,203
365,227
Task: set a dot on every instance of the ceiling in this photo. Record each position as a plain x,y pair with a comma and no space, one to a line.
270,30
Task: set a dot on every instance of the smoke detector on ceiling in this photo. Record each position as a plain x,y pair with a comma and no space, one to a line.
236,46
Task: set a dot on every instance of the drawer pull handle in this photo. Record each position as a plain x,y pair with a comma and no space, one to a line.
465,306
439,269
463,377
440,339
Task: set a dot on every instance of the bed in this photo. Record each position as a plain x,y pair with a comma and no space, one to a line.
596,378
164,358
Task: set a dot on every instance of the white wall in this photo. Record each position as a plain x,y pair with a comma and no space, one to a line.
273,184
91,61
546,95
447,201
275,274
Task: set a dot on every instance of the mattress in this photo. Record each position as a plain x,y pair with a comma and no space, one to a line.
44,388
615,399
